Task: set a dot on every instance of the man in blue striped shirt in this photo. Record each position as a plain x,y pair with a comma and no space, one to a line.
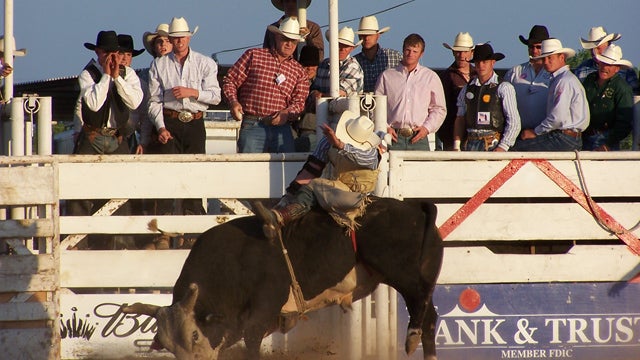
374,59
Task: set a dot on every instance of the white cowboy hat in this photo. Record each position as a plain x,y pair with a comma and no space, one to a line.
16,52
612,55
278,4
345,36
179,28
463,42
369,26
357,130
554,46
598,36
289,27
149,37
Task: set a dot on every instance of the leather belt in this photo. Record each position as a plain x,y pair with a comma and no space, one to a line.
105,131
263,119
574,134
184,116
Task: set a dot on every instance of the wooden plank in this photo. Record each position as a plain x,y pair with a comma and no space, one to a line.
41,344
28,282
28,311
27,264
582,264
26,228
26,185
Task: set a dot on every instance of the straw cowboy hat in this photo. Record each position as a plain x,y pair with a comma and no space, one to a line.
598,36
485,52
612,55
369,26
554,46
537,34
16,52
462,42
357,130
125,42
149,37
106,40
346,36
289,27
179,28
278,4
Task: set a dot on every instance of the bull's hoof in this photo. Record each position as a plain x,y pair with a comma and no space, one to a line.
413,340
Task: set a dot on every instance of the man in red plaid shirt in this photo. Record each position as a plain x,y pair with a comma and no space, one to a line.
266,90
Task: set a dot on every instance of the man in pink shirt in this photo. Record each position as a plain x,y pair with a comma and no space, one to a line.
416,105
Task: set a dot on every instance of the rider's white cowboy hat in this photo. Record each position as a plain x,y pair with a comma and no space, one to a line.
179,28
554,46
346,36
612,55
149,37
369,26
289,27
462,42
357,130
598,36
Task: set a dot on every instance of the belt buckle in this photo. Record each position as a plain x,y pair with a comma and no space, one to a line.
406,132
185,116
107,132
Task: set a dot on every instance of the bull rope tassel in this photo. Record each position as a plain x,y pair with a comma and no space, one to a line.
297,291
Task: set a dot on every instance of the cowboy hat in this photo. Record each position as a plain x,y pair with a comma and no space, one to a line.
554,46
125,43
289,27
369,26
485,52
179,28
357,130
536,35
345,36
106,40
309,56
462,42
16,52
278,4
612,55
598,36
149,37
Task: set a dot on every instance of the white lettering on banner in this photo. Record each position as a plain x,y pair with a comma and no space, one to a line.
624,329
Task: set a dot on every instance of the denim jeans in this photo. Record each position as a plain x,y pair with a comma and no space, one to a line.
597,139
479,145
256,137
551,141
404,143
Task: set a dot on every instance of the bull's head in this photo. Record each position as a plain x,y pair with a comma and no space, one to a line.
178,330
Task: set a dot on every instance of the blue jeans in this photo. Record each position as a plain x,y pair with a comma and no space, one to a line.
404,143
597,139
551,141
256,137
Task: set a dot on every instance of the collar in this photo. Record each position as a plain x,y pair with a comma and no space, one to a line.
560,71
492,80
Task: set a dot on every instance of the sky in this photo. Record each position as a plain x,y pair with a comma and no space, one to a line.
54,31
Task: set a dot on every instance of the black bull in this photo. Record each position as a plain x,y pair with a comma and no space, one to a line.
234,282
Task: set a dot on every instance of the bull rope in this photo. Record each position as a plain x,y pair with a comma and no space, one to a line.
297,291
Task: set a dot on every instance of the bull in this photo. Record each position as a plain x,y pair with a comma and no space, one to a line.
235,283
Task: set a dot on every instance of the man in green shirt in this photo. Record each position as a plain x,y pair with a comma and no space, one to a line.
610,101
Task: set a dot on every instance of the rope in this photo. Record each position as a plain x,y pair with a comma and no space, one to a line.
591,203
297,291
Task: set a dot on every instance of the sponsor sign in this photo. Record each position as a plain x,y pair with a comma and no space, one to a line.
535,321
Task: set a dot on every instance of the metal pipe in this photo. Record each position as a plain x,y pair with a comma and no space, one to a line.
334,66
635,145
17,127
9,44
45,129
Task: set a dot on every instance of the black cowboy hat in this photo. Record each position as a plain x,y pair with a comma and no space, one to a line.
485,52
536,35
309,56
125,43
107,41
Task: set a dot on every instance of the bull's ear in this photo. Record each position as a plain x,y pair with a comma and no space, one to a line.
139,308
188,302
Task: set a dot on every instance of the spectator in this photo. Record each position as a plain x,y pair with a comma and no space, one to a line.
531,80
125,43
157,43
266,90
311,32
306,127
487,107
610,102
454,78
416,106
374,59
567,109
597,41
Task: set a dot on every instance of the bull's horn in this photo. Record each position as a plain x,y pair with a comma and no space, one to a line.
189,299
140,308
